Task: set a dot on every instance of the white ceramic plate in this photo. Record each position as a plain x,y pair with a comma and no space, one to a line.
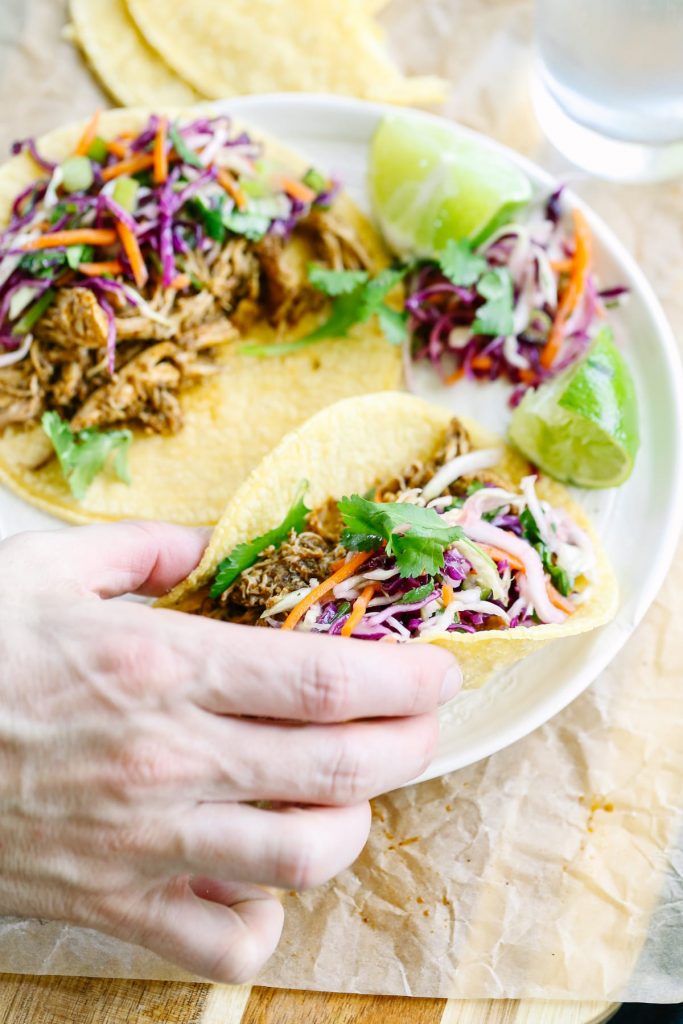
639,522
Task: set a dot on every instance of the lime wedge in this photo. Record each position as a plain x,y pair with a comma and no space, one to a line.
582,427
429,184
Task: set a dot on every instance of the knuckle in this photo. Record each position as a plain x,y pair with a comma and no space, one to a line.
302,867
238,964
143,765
139,663
348,774
324,688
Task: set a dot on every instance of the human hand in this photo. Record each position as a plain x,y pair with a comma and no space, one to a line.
125,759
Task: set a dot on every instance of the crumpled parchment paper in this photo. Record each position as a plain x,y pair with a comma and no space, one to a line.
553,869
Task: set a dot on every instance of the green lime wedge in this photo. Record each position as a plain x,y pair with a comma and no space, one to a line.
582,427
429,184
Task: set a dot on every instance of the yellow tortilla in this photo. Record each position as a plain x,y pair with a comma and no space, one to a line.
353,446
121,58
256,46
231,419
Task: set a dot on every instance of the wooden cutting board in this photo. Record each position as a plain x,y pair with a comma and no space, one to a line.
45,1000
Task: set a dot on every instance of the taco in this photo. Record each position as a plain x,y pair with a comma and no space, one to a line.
417,527
143,253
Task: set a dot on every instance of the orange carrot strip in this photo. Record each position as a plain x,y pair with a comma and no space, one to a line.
95,269
457,375
119,149
160,154
360,606
226,181
297,190
502,556
181,281
558,599
562,266
139,162
77,236
481,363
132,251
573,290
323,588
86,139
447,595
528,376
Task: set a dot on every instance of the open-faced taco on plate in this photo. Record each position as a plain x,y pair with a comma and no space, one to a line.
139,255
385,519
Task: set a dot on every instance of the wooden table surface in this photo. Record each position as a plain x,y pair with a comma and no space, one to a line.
46,1000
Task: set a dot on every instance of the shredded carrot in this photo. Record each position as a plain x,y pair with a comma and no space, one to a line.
573,291
447,595
388,639
297,190
139,162
528,376
323,588
338,564
502,556
481,363
562,266
360,606
226,181
558,599
95,269
457,375
119,149
181,281
86,139
77,236
132,251
160,154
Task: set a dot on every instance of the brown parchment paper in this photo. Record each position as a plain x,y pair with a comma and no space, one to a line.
553,869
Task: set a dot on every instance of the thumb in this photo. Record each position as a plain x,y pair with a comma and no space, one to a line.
112,559
224,931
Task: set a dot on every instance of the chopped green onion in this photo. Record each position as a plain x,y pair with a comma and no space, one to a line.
77,254
98,150
182,149
315,180
34,313
126,193
77,174
20,300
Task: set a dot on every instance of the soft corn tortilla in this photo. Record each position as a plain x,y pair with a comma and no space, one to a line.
122,59
351,447
242,46
231,419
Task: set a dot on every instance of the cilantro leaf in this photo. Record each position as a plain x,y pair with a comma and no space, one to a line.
252,225
244,555
417,594
495,316
211,218
460,264
416,536
559,577
84,454
394,323
355,299
335,282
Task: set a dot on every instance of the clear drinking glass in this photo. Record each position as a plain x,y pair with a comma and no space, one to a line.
608,88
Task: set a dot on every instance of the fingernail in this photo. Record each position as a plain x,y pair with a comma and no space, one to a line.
451,684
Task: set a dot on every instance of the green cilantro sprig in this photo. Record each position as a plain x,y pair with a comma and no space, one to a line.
416,537
495,316
356,297
244,555
85,453
460,264
560,577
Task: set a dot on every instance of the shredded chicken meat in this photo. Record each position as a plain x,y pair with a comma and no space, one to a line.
159,355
